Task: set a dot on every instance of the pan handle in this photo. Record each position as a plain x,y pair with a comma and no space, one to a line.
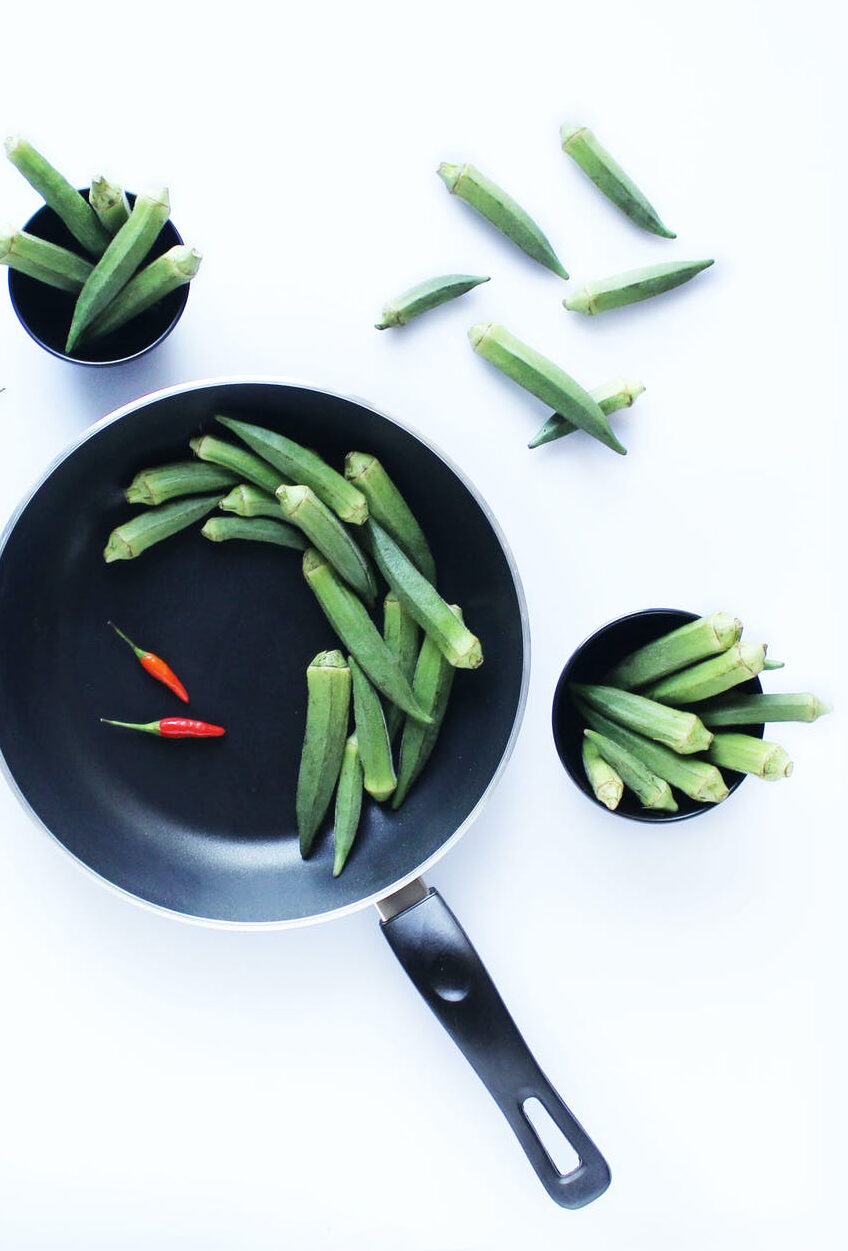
438,957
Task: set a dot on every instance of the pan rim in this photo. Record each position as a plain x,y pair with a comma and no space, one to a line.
376,896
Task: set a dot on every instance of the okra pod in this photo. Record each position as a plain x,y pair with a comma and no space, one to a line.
400,633
739,663
633,286
423,602
246,500
302,507
348,804
682,731
47,262
349,618
493,203
689,643
244,464
65,201
542,378
424,296
135,536
759,709
747,754
255,529
167,482
580,144
120,261
607,785
773,664
375,750
304,467
611,398
387,506
110,203
169,271
650,790
432,687
327,710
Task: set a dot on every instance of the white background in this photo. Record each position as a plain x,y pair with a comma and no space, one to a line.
173,1086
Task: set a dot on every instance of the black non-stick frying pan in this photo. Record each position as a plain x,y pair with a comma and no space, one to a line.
205,830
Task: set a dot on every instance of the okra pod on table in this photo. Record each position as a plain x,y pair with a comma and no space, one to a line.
689,643
632,286
684,732
247,500
242,463
327,709
375,750
424,296
542,378
65,201
611,398
348,804
580,144
400,633
759,709
747,754
48,262
169,271
493,203
651,791
302,507
110,203
607,785
254,529
155,524
167,482
739,663
388,507
432,687
304,467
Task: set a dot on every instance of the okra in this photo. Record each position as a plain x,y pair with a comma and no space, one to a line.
423,602
580,144
155,524
747,754
493,203
683,646
432,687
304,467
696,778
302,507
120,261
738,664
375,750
773,664
611,398
424,296
607,785
169,271
110,203
349,618
47,262
247,500
542,378
348,804
65,201
650,790
255,529
327,709
167,482
758,709
400,633
682,731
633,286
241,462
387,506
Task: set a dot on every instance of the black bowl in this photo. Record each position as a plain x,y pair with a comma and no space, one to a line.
45,312
590,663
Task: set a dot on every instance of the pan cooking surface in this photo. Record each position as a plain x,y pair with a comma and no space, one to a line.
207,828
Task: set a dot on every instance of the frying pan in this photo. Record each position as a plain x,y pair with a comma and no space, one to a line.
205,830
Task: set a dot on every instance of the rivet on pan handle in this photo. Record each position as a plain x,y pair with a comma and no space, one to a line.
436,953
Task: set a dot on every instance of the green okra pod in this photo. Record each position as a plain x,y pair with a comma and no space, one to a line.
120,261
689,643
432,687
349,618
244,464
651,791
254,529
542,378
110,203
155,524
759,709
348,804
388,507
739,663
400,633
302,507
580,144
611,398
328,685
424,296
48,262
747,754
493,203
633,286
423,602
684,732
375,750
65,201
167,482
773,664
247,500
169,271
607,785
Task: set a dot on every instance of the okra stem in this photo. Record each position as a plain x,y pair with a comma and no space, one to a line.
65,201
45,261
110,203
698,639
611,398
739,663
606,784
682,731
652,791
759,709
387,506
255,529
155,524
247,500
748,754
169,271
165,482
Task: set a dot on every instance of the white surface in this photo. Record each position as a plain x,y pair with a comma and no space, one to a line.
165,1085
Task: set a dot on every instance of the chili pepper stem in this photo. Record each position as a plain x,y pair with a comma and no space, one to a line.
138,651
151,727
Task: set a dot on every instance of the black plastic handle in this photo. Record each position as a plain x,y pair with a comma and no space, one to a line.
436,953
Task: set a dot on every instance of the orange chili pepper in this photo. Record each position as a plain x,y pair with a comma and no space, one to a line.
156,667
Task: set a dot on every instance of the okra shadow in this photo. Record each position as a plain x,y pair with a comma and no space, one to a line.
100,391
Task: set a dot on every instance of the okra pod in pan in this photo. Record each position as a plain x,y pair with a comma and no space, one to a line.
387,506
303,509
432,687
375,750
327,710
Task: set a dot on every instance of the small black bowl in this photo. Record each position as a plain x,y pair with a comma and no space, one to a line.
590,663
45,312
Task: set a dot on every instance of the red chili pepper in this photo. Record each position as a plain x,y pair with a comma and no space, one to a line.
156,667
173,727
